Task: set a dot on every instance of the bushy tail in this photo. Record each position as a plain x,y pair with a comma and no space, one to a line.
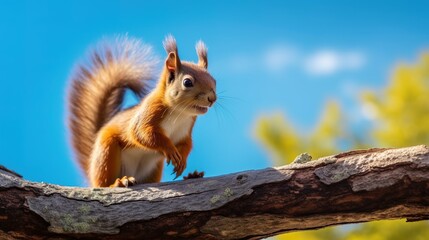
98,86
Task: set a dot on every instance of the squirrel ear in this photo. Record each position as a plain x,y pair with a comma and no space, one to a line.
172,63
202,54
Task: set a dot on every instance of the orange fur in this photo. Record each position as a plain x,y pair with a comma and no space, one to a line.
106,163
118,146
184,147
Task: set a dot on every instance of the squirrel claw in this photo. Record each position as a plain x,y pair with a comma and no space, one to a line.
124,182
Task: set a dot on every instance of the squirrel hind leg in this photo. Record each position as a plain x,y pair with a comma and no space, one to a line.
105,159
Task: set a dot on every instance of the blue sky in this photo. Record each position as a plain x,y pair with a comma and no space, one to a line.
267,56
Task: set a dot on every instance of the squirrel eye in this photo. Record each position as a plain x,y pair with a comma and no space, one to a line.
188,83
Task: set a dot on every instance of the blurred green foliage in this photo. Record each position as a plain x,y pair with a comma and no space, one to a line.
401,111
399,116
285,143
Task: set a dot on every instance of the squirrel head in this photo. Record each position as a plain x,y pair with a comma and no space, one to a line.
189,87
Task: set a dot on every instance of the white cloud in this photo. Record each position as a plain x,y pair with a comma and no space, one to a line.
278,58
282,57
326,62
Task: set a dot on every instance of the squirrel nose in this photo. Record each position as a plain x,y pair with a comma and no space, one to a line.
211,98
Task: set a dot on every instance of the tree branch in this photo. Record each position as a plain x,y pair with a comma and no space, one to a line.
357,186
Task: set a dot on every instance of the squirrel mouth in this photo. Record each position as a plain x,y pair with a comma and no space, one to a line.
201,109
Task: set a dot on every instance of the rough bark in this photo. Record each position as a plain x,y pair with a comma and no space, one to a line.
356,186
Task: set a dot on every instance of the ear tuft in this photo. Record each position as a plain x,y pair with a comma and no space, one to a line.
170,44
202,54
173,61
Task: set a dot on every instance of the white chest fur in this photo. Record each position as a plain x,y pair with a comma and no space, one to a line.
139,163
176,127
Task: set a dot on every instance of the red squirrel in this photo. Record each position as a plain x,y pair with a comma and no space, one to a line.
119,148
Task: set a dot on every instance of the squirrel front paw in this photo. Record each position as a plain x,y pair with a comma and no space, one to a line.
174,156
178,170
194,174
124,182
178,163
